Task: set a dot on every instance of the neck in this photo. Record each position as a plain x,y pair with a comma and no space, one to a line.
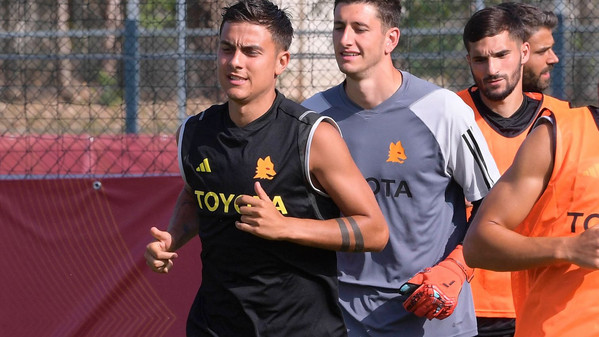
243,113
374,88
508,106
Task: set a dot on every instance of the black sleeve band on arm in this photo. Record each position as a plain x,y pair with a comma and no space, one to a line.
344,235
357,234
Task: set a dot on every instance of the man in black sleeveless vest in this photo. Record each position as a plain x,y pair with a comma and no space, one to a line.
265,182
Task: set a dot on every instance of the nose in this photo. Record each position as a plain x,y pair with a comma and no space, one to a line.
552,59
346,36
235,59
492,66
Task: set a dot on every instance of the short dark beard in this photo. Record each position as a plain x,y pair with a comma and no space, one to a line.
532,83
496,97
501,95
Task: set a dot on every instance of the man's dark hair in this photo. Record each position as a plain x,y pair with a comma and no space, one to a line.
389,10
532,17
263,13
492,21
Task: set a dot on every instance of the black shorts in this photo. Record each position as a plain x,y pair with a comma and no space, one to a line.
496,326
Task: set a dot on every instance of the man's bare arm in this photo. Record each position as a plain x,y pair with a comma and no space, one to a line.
491,241
362,228
184,223
183,226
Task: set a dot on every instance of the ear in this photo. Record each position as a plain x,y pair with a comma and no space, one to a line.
282,62
468,58
392,39
525,52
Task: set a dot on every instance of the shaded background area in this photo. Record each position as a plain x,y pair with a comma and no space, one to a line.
74,261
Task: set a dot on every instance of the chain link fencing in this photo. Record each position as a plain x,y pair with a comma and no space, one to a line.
99,87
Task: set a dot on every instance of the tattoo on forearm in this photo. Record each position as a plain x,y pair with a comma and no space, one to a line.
187,228
344,235
180,210
357,234
183,224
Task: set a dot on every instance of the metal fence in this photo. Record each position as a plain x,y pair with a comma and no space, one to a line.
96,87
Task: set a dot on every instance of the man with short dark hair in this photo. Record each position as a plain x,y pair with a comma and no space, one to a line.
538,29
421,151
495,39
265,182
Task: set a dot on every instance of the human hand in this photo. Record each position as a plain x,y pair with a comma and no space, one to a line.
583,249
259,215
435,291
157,254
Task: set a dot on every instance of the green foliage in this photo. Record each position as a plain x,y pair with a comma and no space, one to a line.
418,13
158,14
435,34
111,93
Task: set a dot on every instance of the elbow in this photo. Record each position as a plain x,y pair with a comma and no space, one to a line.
470,254
379,248
379,238
474,252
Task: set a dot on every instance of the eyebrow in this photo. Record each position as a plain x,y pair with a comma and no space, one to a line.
493,54
360,24
543,48
245,47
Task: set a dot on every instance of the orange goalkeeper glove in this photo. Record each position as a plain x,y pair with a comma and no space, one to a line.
435,291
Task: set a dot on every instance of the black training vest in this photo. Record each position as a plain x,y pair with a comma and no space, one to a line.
252,286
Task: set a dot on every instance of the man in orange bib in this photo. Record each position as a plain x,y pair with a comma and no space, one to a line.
495,39
539,220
